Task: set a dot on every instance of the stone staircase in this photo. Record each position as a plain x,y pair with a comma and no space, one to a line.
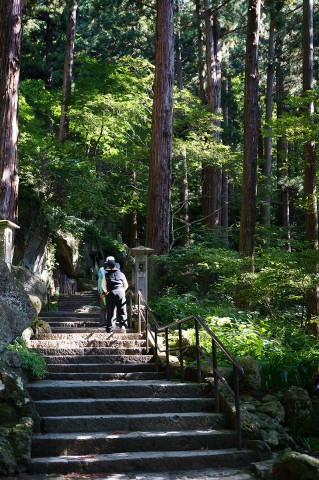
105,409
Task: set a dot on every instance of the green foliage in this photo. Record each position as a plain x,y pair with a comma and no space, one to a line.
32,362
204,281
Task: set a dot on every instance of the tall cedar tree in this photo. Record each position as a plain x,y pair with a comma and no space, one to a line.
160,169
310,154
212,175
251,132
311,218
10,46
68,70
266,210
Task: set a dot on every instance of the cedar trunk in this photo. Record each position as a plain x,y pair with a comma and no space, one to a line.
251,132
10,46
266,211
282,146
160,170
200,50
68,71
212,175
310,153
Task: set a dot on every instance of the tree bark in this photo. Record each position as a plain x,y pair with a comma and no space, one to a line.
200,49
68,71
310,181
10,41
212,175
267,166
282,146
160,170
310,153
179,68
251,132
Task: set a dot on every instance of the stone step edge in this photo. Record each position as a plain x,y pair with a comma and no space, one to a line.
136,434
160,461
136,416
124,400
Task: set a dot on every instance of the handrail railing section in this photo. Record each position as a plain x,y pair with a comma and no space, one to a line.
146,315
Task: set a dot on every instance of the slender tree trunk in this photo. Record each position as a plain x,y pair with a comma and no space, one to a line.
160,170
282,146
266,210
10,46
311,213
224,217
251,132
68,71
201,59
310,154
184,236
179,68
212,175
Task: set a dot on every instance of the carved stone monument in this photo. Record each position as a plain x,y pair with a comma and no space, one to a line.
140,269
6,241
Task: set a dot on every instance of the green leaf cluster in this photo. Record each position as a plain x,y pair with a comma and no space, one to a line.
32,362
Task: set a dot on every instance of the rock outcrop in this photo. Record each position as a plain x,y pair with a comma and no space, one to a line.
16,309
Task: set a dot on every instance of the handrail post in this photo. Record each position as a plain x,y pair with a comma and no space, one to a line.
181,351
130,310
216,389
197,352
237,407
156,349
167,353
139,329
146,328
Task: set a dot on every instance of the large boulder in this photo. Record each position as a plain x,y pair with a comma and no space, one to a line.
32,283
296,466
16,309
251,380
298,408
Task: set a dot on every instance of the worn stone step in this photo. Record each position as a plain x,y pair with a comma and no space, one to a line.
94,340
142,461
71,350
92,335
45,445
135,422
58,315
88,406
50,389
101,367
85,376
110,359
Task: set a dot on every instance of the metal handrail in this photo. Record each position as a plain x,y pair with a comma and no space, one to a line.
145,314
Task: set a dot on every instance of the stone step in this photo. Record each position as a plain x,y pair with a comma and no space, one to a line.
74,327
85,376
142,461
146,421
71,350
50,389
100,367
91,335
88,406
51,444
111,359
58,315
94,340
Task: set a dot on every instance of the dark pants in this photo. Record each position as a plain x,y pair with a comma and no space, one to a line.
116,307
103,313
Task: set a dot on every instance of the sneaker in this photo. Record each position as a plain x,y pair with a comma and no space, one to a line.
123,329
109,330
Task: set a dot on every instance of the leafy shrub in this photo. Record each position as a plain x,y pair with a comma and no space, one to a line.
32,362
